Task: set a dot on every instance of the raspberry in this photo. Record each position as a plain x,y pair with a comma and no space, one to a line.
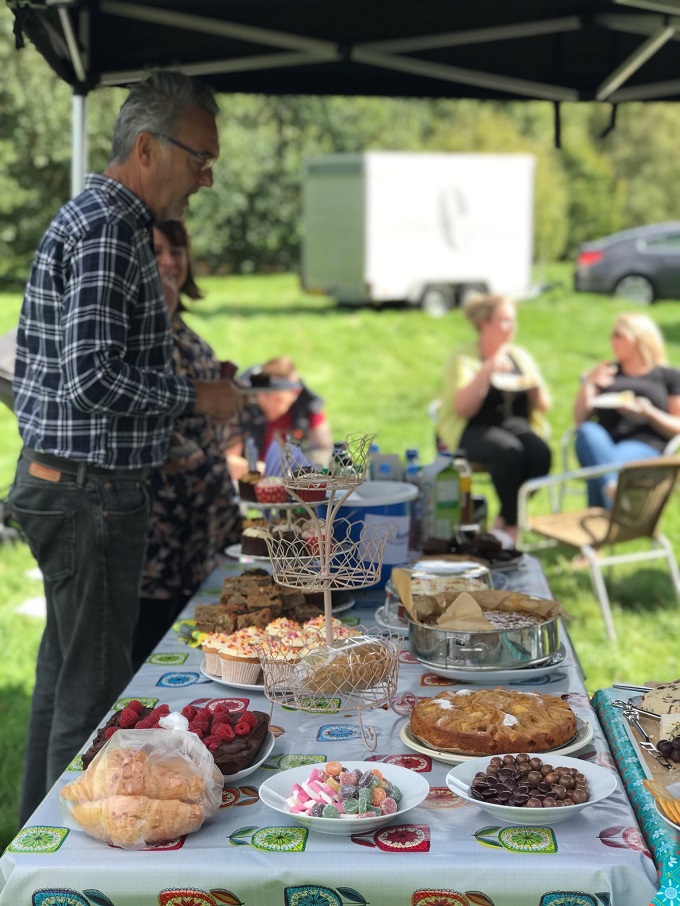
212,742
199,731
204,714
242,728
250,718
147,723
189,712
109,731
127,718
203,724
160,711
135,705
224,732
220,711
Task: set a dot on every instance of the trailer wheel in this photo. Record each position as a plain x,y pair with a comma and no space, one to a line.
468,290
437,300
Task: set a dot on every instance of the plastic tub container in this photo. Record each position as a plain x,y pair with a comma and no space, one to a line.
372,507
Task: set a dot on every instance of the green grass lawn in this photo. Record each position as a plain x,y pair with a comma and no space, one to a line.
377,371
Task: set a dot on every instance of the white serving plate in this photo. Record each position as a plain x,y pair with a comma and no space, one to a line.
414,788
251,687
664,817
234,551
512,382
518,674
387,620
612,400
262,756
584,734
601,784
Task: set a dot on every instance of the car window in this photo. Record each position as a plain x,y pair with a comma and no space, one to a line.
669,244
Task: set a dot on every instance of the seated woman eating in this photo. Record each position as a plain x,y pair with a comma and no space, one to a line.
492,405
641,410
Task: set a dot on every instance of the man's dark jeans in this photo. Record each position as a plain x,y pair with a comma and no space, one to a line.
88,533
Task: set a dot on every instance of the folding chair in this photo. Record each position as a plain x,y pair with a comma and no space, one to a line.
643,490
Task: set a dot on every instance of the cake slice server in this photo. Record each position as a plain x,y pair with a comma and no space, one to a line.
645,743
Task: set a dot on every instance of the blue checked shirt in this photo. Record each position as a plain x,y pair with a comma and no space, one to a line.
93,376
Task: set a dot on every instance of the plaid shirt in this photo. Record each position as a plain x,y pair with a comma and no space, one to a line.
93,376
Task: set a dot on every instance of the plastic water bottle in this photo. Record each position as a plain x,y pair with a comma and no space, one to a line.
412,474
373,451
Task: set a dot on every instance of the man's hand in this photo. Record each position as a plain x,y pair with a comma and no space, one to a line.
221,399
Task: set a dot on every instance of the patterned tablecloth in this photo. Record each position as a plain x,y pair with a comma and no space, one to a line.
445,852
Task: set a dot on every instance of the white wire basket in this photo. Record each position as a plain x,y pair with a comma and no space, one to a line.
355,673
315,560
310,484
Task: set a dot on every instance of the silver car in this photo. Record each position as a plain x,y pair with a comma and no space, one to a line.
641,264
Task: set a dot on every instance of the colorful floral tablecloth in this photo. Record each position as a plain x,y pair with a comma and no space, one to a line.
446,852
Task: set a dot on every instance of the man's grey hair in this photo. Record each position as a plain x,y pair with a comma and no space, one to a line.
156,105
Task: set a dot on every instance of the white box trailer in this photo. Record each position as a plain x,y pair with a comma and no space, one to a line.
422,228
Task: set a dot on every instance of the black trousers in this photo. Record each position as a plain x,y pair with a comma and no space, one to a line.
512,453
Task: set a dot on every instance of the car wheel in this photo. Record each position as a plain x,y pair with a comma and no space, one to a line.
437,300
636,288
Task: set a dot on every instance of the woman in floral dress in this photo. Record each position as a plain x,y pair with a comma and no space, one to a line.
195,512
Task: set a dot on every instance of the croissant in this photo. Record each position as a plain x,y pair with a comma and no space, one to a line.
127,772
128,820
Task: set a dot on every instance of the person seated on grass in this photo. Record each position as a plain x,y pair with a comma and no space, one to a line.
637,424
289,411
493,403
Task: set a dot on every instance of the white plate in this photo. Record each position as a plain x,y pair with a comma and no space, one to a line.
262,756
390,621
613,400
601,783
482,677
511,382
584,734
664,817
414,788
234,550
251,687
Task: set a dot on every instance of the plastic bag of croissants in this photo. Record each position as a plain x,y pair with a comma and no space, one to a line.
145,787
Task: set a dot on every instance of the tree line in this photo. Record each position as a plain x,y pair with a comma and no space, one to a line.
599,180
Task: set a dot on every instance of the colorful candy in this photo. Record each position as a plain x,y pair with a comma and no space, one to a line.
335,792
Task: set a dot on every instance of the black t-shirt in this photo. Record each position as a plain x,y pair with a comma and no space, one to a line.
499,405
657,386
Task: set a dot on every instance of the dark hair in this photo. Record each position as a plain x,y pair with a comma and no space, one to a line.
156,105
175,232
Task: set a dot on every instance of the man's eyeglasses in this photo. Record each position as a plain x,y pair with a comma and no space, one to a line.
205,160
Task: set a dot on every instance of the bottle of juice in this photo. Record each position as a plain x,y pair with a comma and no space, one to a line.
466,506
447,501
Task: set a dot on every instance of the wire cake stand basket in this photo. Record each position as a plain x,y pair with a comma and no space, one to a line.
348,670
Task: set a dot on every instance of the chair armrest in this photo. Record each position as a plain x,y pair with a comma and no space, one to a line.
552,481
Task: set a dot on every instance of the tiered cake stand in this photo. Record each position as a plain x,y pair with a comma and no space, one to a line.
358,672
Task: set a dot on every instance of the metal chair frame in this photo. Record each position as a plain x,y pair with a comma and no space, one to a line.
643,491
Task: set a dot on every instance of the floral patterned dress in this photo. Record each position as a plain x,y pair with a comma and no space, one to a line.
195,513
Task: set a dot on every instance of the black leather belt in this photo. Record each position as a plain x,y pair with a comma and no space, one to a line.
72,467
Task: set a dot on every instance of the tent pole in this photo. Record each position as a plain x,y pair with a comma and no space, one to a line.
78,143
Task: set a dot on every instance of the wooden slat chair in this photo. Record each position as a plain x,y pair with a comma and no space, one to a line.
570,462
643,490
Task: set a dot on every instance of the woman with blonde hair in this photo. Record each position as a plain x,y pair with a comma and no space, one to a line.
645,395
493,404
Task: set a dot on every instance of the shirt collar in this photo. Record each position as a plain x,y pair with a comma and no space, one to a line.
121,195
